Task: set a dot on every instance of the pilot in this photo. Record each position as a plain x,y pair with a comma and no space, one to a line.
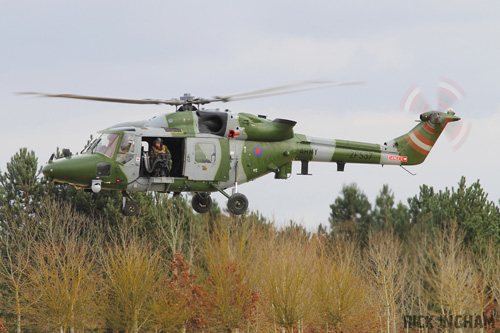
161,153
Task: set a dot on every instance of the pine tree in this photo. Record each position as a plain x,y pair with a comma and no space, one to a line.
350,213
21,189
387,215
469,207
478,216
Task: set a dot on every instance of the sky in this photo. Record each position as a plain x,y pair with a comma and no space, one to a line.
163,49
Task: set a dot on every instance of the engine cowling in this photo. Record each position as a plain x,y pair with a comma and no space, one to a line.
261,129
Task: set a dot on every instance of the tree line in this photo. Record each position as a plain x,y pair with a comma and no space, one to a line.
70,262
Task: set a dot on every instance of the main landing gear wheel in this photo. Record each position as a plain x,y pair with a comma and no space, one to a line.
201,202
237,204
130,208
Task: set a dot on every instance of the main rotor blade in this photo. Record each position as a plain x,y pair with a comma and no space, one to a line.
274,91
260,93
276,88
108,99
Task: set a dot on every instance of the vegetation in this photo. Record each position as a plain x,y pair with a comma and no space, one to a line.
70,262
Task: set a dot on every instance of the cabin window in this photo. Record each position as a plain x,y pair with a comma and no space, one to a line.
107,144
204,153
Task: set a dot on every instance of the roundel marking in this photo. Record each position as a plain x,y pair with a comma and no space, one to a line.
257,151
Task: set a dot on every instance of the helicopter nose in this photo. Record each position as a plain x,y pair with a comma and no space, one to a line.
77,170
58,170
47,171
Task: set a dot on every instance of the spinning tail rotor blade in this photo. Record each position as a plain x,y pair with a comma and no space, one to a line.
414,101
448,92
458,133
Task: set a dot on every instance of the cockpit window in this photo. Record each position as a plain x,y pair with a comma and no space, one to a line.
126,152
127,145
106,144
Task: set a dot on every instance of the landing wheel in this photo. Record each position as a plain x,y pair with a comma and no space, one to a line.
237,204
130,208
201,202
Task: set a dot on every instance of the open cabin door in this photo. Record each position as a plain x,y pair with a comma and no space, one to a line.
207,159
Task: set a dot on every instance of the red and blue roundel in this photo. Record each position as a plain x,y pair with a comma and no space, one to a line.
257,151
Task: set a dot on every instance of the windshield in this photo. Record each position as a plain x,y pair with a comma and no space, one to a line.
106,144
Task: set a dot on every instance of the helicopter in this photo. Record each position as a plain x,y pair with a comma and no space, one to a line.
212,151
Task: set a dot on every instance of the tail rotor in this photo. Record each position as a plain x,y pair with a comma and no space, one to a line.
449,93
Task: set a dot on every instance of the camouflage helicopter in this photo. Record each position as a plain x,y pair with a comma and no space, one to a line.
214,150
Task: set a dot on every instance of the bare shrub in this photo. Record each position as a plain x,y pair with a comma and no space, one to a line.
387,267
339,289
283,266
132,271
228,256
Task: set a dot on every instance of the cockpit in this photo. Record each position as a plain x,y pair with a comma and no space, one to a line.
107,143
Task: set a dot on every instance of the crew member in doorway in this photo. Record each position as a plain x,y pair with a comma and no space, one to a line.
161,158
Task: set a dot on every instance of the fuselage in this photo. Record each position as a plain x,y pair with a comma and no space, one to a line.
213,150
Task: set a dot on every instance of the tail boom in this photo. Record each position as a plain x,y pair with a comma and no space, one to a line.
408,149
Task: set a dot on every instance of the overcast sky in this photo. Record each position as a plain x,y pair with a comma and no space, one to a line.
162,49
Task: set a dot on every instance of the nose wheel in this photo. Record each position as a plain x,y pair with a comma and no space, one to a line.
129,207
201,202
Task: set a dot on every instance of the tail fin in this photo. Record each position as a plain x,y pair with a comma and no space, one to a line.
415,145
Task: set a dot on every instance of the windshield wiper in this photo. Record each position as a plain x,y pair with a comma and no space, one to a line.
94,145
